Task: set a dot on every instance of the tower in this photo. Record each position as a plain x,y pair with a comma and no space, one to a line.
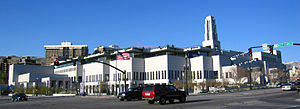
211,36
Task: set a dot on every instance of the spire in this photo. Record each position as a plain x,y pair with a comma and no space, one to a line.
211,36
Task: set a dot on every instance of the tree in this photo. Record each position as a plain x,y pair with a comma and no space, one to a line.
277,75
239,74
256,74
178,84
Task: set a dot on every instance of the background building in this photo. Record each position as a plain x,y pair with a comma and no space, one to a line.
64,51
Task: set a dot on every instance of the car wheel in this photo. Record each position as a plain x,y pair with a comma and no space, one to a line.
150,101
128,98
162,101
140,98
182,99
171,101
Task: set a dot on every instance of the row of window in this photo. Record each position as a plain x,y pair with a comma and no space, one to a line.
65,70
158,75
228,75
93,78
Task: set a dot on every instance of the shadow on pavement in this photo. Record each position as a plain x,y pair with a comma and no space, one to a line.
193,101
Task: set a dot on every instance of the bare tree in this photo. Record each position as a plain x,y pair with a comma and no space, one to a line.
256,74
178,84
277,75
239,74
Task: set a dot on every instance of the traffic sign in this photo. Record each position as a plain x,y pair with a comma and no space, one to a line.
285,44
265,46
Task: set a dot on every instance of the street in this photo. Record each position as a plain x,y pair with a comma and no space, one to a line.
254,99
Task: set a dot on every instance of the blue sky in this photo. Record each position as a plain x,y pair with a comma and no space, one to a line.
27,25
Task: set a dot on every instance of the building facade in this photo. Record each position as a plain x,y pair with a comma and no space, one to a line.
162,65
64,51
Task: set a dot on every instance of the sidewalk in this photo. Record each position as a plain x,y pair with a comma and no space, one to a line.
97,96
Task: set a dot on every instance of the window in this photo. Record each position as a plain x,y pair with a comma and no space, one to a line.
198,75
158,74
172,74
152,75
93,78
226,75
162,75
100,77
133,76
215,73
194,75
181,73
141,75
137,76
115,77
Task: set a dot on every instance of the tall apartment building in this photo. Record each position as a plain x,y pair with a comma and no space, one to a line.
64,51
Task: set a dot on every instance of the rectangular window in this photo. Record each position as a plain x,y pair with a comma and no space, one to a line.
194,75
162,75
201,74
216,76
158,74
129,75
133,76
172,74
152,75
93,78
100,77
226,75
198,75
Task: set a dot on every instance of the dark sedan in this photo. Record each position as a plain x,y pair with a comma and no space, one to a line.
19,97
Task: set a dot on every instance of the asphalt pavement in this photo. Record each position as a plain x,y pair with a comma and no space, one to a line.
254,99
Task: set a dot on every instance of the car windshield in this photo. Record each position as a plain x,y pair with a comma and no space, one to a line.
130,90
148,88
286,84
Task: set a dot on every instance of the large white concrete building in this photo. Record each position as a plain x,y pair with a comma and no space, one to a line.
163,65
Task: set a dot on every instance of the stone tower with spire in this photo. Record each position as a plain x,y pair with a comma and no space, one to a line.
211,36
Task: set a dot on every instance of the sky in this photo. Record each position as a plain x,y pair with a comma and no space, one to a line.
27,25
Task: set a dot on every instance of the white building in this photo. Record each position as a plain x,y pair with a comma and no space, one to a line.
164,65
36,73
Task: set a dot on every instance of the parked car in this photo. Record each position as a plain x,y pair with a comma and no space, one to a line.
279,85
298,86
131,93
19,97
288,87
163,93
